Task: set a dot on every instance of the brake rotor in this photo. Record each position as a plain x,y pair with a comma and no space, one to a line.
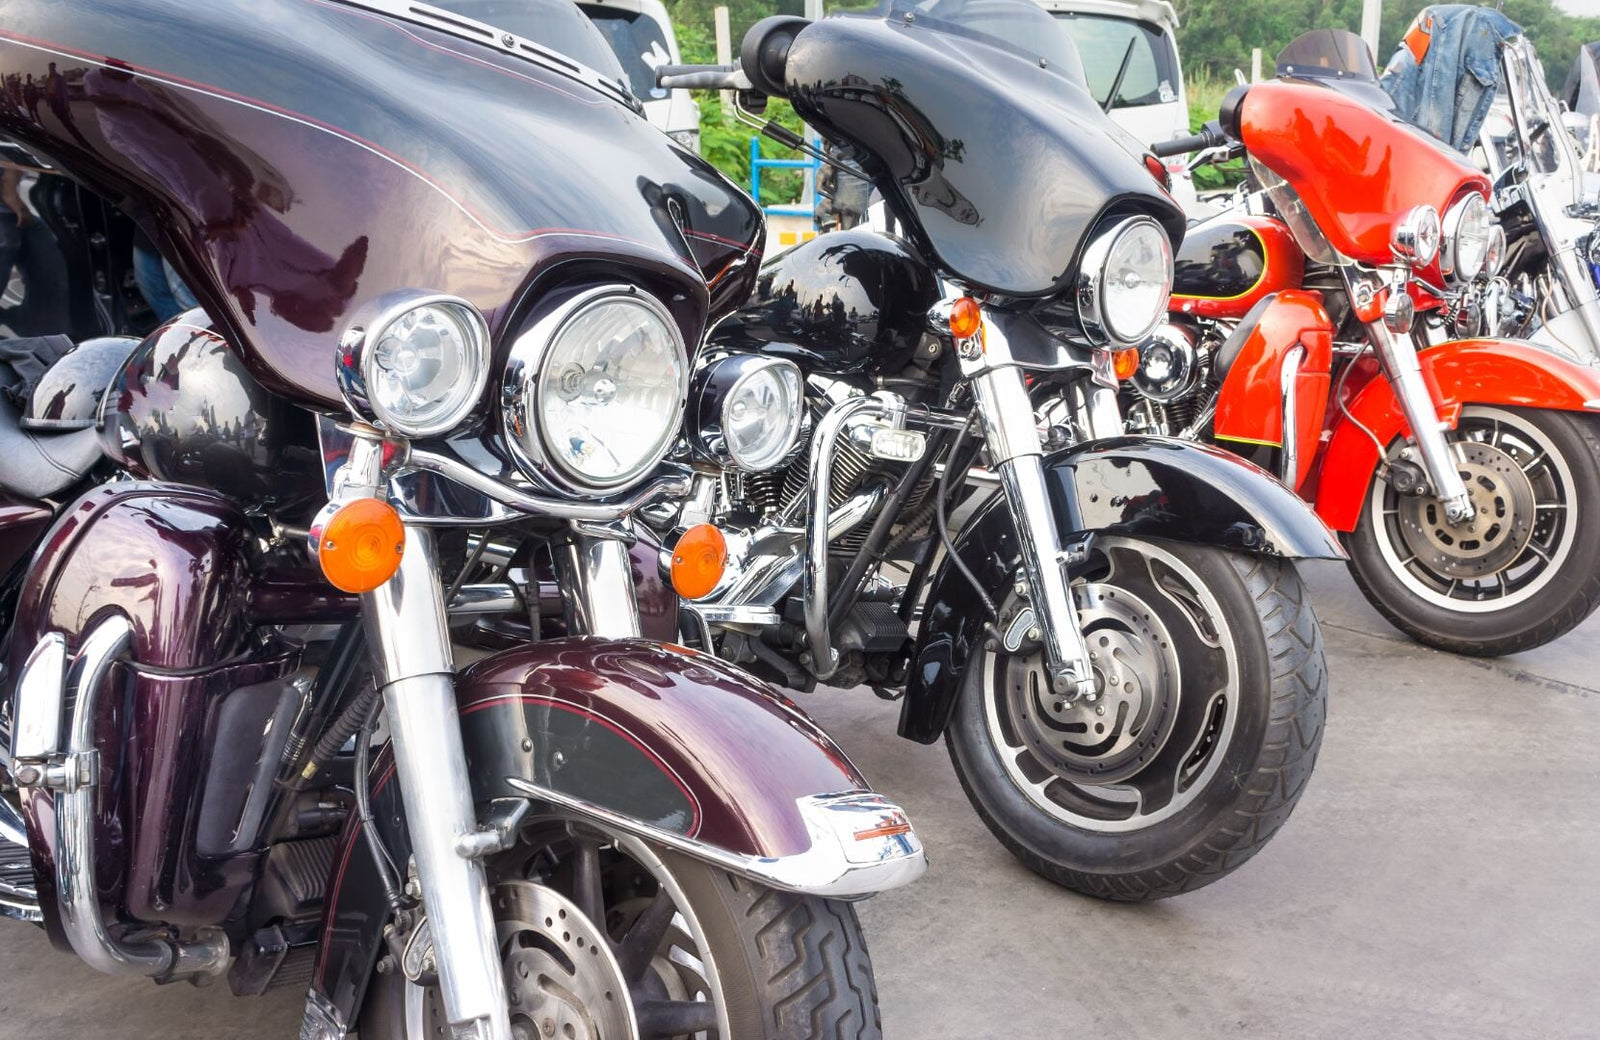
1112,737
1503,513
562,980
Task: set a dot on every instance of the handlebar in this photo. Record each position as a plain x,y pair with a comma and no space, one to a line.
1210,136
702,77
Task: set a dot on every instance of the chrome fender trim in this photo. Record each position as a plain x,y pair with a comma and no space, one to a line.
861,844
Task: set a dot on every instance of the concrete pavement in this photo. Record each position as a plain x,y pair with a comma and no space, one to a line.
1440,879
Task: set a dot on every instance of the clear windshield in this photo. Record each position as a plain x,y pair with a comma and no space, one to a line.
556,24
1019,26
1327,52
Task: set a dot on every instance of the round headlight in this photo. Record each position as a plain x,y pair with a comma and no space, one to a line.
1467,238
745,410
417,369
1124,282
594,391
1416,236
1495,254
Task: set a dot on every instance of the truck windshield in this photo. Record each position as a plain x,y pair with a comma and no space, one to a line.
1104,40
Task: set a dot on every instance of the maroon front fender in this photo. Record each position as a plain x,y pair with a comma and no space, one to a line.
658,733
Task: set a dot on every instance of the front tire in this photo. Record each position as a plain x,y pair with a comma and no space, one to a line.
696,951
1214,663
1525,572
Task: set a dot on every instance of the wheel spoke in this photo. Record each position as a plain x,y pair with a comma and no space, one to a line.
675,1017
1533,462
639,946
586,880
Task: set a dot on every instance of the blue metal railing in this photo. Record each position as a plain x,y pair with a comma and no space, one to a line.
757,164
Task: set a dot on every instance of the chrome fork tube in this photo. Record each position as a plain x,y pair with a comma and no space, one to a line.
1399,356
1006,413
597,583
405,621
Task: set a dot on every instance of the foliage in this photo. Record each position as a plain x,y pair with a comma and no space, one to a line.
1205,99
1216,35
723,139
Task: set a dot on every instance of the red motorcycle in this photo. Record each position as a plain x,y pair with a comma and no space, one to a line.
1312,330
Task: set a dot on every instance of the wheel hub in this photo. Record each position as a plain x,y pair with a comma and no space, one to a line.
1493,537
562,981
1110,735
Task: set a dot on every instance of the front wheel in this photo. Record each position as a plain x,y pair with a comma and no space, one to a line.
603,937
1211,696
1523,570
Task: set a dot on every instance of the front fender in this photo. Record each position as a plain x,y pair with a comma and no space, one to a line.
1461,372
1147,487
695,752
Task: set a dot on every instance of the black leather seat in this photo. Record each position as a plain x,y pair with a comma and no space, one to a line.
48,450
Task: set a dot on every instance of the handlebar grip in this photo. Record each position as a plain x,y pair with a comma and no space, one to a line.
702,77
1181,145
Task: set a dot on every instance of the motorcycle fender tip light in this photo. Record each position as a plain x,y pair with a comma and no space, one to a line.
966,318
891,825
1125,363
358,544
698,561
893,445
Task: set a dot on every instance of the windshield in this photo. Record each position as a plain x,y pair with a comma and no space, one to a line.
1103,42
639,43
1019,26
556,24
1334,53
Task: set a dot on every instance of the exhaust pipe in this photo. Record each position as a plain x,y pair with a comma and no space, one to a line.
76,781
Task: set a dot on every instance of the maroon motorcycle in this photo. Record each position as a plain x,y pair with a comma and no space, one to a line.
295,706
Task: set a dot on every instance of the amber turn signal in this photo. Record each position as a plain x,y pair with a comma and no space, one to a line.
966,318
359,544
1125,363
698,561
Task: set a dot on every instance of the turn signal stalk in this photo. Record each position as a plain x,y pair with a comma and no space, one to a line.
358,544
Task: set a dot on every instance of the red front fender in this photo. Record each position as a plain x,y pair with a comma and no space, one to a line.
1467,371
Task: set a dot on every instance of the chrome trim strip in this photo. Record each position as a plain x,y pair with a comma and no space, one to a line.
161,958
829,868
486,599
1289,460
40,699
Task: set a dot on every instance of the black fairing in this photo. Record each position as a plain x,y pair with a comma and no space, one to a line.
999,167
1218,259
1149,487
845,302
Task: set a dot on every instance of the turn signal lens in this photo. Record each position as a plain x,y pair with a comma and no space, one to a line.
966,318
1125,363
698,561
359,544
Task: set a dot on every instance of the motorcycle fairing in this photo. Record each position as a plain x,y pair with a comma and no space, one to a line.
1461,372
1250,403
1154,487
662,733
234,130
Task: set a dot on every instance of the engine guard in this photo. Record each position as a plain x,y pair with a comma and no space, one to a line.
1146,487
647,739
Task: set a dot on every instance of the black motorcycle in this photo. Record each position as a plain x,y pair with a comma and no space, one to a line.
1113,640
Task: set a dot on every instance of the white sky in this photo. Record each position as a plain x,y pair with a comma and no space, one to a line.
1590,7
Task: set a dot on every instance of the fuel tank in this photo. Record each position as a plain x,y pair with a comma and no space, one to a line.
1229,263
846,302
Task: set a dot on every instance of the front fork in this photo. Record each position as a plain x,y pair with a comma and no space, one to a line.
1016,454
408,633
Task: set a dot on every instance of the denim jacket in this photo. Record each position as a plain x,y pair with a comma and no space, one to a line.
1446,71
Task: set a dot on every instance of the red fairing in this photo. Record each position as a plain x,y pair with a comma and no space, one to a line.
1250,404
1356,170
1473,371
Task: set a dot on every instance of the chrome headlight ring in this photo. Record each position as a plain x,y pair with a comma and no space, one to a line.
437,343
1132,243
1467,238
527,383
1416,236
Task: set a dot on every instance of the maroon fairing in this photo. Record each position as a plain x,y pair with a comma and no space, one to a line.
21,523
176,562
652,721
298,158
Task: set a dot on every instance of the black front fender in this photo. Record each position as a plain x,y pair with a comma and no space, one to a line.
1148,487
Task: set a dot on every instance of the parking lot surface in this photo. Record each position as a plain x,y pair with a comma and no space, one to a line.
1440,879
